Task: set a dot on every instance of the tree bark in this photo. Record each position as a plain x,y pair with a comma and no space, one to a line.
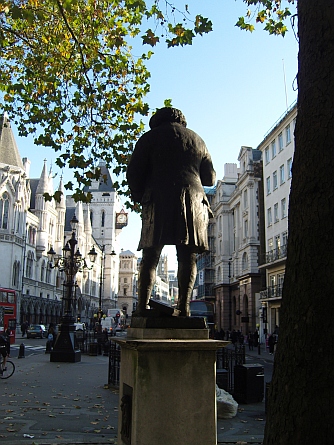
300,410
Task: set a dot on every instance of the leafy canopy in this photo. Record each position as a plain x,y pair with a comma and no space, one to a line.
271,13
70,78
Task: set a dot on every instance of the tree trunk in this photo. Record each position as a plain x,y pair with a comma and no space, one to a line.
301,396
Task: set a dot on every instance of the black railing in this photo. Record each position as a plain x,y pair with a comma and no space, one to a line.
227,358
276,254
272,292
114,364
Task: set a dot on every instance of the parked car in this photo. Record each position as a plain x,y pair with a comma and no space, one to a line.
36,331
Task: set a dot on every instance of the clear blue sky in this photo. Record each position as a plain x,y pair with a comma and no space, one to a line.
229,84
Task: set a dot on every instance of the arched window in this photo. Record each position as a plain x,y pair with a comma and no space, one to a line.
4,211
91,217
48,273
103,216
16,273
30,262
42,271
219,275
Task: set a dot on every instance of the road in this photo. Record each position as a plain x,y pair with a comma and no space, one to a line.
66,403
35,345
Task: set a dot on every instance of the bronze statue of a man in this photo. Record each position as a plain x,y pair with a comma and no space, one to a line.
166,173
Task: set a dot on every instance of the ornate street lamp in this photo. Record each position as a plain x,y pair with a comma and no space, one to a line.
100,314
70,262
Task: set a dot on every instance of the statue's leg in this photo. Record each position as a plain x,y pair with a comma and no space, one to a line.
147,273
186,276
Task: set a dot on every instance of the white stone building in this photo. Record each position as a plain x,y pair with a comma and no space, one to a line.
277,153
128,282
30,225
237,209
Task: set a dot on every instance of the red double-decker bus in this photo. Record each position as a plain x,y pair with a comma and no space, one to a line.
8,312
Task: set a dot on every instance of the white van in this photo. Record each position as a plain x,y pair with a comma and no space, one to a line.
110,324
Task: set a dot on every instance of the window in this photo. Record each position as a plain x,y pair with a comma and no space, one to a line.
91,217
245,199
103,218
48,274
267,155
284,238
268,185
282,174
244,261
16,273
289,167
270,244
277,242
276,212
280,142
31,235
288,134
246,228
30,261
275,180
273,148
125,280
269,217
219,274
43,271
283,208
4,209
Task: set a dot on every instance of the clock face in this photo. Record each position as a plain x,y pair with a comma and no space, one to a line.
121,218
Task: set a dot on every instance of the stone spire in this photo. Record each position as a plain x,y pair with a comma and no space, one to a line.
9,153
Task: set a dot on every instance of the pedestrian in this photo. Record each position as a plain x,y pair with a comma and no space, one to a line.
3,350
271,344
251,341
234,336
166,174
105,341
7,335
99,337
51,335
23,328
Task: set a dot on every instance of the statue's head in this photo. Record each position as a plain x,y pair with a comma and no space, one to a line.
167,114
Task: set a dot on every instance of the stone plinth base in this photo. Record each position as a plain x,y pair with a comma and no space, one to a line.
64,348
167,388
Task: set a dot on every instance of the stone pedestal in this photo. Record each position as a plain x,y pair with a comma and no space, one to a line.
64,348
167,387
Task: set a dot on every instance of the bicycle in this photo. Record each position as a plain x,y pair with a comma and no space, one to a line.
8,371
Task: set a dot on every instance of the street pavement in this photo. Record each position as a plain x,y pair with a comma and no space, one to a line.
47,403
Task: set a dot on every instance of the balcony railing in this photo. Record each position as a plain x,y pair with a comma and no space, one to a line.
272,292
276,254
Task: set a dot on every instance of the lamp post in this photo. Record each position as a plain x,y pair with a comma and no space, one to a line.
229,296
70,262
99,315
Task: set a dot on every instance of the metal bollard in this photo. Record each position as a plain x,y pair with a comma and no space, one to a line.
21,351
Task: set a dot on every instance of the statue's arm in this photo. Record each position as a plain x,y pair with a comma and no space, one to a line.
137,170
207,172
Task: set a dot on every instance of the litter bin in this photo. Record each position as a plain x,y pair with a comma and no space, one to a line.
222,378
92,348
248,383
